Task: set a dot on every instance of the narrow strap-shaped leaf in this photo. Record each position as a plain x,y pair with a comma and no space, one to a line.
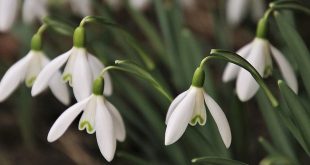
132,158
268,147
275,159
127,37
295,43
217,161
131,67
59,26
238,60
275,127
299,114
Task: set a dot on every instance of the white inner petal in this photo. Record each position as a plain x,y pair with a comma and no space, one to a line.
34,68
199,115
87,120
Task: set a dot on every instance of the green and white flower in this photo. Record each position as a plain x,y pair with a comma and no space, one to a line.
27,69
190,108
80,70
258,53
99,116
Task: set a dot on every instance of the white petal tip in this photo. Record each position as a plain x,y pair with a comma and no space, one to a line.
169,141
50,139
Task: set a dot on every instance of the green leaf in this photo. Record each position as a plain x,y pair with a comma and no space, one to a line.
275,160
238,60
133,68
126,36
132,158
299,114
59,26
296,45
217,161
275,127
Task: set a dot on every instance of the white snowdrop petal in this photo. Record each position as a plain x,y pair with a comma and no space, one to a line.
235,11
246,85
139,4
8,12
88,118
231,70
81,7
119,126
174,104
286,69
34,68
47,73
180,117
58,88
14,76
34,9
220,119
65,119
96,67
67,73
105,131
81,76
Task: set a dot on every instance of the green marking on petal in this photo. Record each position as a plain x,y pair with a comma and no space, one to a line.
67,78
197,119
29,82
268,71
87,125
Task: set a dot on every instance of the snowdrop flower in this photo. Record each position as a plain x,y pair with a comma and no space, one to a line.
139,4
99,116
236,10
8,11
81,69
27,69
136,4
34,9
258,53
81,7
189,108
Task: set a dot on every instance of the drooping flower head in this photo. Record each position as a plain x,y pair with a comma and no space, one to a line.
259,54
8,12
81,69
237,9
99,116
34,10
190,108
27,69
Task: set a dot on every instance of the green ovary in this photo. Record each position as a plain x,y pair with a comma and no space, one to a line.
29,82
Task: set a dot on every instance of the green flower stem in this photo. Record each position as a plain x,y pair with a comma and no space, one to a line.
238,60
142,74
127,36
